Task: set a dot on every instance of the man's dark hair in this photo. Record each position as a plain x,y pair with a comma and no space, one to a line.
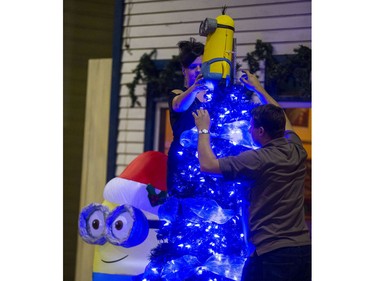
271,118
189,51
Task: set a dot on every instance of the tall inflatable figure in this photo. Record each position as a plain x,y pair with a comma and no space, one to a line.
218,51
123,228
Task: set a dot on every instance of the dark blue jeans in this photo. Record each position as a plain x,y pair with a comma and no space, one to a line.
284,264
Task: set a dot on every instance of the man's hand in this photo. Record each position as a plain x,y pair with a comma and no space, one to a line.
207,159
250,81
202,119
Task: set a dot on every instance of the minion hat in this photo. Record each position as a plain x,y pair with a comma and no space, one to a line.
142,184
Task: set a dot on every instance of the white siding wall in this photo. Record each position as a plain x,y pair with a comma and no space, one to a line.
161,24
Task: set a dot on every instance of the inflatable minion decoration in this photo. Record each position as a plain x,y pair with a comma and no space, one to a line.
218,52
123,228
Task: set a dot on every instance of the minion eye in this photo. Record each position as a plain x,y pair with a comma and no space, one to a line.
122,226
119,224
96,225
127,226
92,226
207,27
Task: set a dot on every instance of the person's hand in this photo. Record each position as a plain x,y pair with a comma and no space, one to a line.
250,81
202,119
198,84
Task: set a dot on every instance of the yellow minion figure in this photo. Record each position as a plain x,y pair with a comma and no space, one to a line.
123,228
217,57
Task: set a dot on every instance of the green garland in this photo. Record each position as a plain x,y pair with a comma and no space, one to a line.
162,81
296,67
294,71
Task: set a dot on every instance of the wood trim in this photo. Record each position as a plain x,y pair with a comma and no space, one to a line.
94,162
115,88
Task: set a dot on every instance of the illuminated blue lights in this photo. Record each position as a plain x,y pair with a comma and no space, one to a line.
203,238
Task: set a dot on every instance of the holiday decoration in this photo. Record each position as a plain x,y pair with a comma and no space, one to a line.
204,234
123,227
217,57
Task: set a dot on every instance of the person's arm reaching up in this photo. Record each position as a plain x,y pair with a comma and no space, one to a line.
207,159
251,82
185,99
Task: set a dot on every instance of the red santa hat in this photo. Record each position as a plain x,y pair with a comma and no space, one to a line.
142,184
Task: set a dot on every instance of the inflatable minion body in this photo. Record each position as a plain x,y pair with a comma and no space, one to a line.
218,52
123,227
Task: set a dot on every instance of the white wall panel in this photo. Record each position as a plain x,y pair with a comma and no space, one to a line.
130,148
132,113
161,53
170,6
197,15
139,91
125,159
187,29
128,136
132,125
271,36
125,101
242,49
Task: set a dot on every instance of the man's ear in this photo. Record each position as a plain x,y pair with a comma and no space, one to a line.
261,131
